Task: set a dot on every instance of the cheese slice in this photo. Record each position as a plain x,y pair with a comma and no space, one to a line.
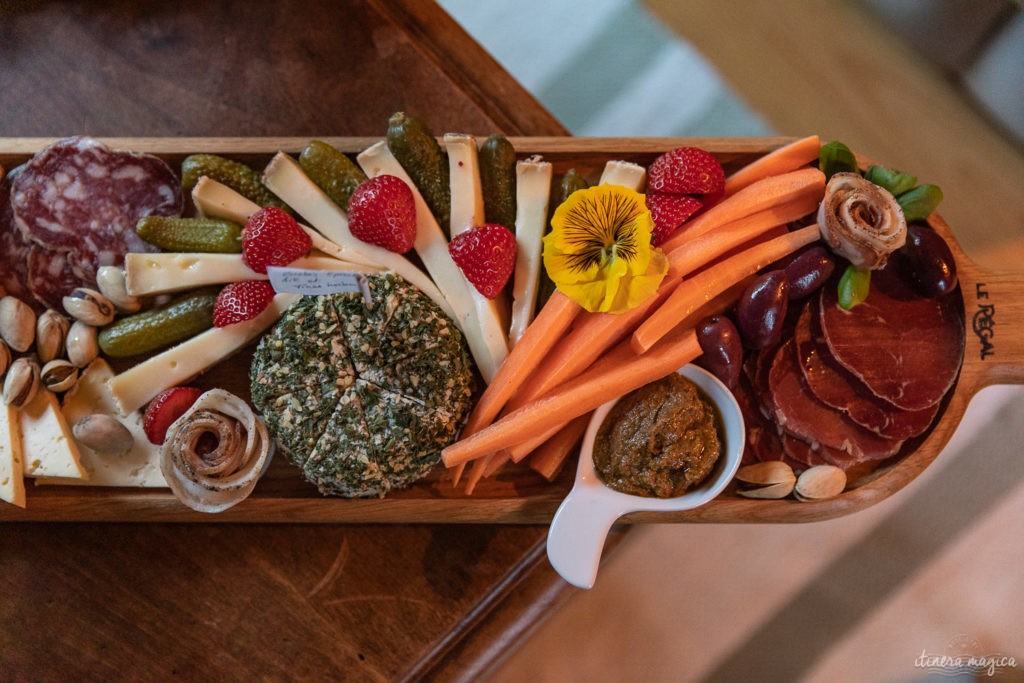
624,173
12,483
533,189
134,387
148,274
138,467
468,212
47,447
286,179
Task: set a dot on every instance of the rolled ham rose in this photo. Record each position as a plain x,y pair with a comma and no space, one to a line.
861,221
215,453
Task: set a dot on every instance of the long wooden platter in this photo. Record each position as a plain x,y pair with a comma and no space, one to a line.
993,301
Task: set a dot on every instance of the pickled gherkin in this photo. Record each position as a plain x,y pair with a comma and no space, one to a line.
236,175
416,149
333,172
498,180
211,235
184,317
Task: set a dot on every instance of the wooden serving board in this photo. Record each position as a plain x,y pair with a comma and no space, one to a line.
994,318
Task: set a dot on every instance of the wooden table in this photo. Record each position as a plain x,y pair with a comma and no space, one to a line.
276,601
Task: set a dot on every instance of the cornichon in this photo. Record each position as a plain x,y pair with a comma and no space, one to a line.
416,149
498,180
234,174
571,182
333,172
191,234
185,317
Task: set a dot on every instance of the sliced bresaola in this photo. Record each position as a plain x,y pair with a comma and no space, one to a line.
834,386
762,442
905,348
800,413
80,197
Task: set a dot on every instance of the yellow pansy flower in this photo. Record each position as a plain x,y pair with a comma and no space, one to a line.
599,251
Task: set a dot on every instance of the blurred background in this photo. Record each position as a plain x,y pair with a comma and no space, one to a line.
935,87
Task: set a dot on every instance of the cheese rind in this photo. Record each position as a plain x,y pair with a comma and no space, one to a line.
12,483
139,467
134,387
48,449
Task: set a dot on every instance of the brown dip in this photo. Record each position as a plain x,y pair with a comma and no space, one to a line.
659,441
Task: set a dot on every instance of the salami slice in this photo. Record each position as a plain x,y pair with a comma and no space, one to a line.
13,250
51,276
834,386
81,197
800,413
903,347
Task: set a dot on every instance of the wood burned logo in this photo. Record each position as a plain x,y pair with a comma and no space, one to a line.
984,322
964,656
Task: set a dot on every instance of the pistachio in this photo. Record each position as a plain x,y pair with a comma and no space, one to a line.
820,482
58,375
89,306
17,323
110,280
51,332
5,358
22,382
103,434
82,345
770,479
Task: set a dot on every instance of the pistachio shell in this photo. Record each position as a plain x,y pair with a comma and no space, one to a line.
103,434
17,323
820,482
5,358
773,491
22,382
110,280
89,306
51,333
766,473
82,345
58,375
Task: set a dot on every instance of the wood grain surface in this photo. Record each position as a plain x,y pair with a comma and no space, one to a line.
147,601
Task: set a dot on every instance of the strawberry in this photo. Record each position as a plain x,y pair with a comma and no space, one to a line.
241,301
273,238
686,170
669,211
382,211
486,255
167,407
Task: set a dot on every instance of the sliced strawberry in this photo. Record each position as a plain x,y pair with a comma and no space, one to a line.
273,238
669,211
241,301
487,256
167,407
686,170
382,211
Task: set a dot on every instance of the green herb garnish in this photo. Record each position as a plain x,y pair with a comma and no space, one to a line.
854,287
896,182
835,157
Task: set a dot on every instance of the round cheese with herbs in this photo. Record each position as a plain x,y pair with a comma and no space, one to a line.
363,396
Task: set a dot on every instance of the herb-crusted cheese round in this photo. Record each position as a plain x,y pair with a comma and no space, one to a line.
363,398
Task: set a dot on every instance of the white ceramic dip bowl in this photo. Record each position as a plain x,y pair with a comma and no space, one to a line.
582,521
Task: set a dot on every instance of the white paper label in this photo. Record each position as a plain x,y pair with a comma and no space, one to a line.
306,282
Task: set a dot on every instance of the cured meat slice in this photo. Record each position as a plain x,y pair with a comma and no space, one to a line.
905,348
79,196
800,413
13,250
833,385
799,450
51,276
762,442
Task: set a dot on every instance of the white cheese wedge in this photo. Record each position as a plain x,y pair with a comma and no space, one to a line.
432,248
467,211
139,467
148,274
12,482
533,190
624,173
286,179
216,200
136,386
47,447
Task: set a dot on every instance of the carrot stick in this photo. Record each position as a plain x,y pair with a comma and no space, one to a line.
689,295
578,397
763,194
548,459
521,450
783,160
540,336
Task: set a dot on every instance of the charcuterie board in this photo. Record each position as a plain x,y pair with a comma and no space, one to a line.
993,307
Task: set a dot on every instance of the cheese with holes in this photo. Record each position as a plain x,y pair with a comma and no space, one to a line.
138,467
12,484
47,447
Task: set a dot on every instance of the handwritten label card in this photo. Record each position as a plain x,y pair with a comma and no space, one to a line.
302,281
